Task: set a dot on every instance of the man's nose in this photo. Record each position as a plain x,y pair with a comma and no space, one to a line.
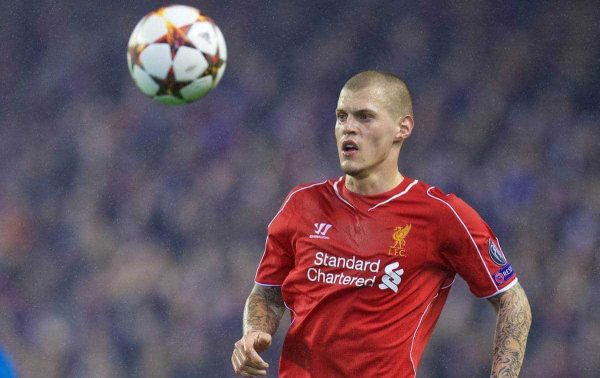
349,127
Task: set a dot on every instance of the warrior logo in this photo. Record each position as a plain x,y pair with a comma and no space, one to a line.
321,231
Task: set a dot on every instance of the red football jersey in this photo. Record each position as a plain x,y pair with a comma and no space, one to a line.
366,277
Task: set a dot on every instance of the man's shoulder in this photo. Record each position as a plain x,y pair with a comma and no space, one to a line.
311,188
434,197
444,205
307,190
314,186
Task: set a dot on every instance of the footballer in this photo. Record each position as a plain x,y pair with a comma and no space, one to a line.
365,262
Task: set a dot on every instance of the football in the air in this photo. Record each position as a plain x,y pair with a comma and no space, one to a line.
176,54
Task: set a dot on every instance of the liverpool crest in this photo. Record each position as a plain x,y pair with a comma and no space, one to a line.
399,237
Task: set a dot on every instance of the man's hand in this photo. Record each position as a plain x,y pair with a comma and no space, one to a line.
262,314
245,359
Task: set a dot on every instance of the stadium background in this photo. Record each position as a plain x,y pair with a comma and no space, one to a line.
130,231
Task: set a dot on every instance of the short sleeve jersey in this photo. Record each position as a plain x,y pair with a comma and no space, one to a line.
366,277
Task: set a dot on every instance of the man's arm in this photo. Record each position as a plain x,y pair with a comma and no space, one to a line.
262,313
512,328
264,309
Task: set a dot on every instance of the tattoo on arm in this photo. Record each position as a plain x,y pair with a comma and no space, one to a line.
512,328
264,309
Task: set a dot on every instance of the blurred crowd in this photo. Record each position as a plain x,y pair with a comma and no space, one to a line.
130,231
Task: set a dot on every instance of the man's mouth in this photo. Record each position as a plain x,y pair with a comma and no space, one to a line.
349,148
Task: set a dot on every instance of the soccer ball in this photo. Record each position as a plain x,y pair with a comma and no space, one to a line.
176,54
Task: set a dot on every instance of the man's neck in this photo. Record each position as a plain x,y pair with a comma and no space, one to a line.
373,184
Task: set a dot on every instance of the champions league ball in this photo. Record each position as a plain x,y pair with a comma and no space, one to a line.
176,55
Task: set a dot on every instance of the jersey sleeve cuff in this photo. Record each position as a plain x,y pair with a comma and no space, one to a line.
266,284
505,288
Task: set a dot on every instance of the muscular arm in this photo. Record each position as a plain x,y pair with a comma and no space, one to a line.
512,327
262,313
264,309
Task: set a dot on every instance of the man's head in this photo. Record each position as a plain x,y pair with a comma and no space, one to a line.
373,118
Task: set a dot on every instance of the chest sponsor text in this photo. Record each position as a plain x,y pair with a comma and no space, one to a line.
351,274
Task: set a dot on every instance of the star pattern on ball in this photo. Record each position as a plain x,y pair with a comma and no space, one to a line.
135,52
214,64
176,37
170,86
154,72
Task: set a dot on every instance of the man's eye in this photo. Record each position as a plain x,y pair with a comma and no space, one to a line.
365,116
341,116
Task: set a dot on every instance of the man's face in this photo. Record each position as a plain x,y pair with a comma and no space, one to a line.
365,132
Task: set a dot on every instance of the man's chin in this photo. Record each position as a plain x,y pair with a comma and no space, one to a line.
350,169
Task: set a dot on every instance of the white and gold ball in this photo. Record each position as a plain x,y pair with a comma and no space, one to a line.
176,54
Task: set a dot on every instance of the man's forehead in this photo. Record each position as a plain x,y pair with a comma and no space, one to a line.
367,97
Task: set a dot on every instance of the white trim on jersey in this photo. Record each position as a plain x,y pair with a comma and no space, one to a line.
292,311
291,195
337,193
412,343
468,233
266,285
505,288
272,220
450,284
396,195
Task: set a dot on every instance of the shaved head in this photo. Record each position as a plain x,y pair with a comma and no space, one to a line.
398,101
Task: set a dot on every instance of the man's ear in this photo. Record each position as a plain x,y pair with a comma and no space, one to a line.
404,128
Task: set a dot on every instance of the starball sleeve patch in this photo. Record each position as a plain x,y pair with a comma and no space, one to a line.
496,253
503,275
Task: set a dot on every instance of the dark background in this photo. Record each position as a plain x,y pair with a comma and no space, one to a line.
130,231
